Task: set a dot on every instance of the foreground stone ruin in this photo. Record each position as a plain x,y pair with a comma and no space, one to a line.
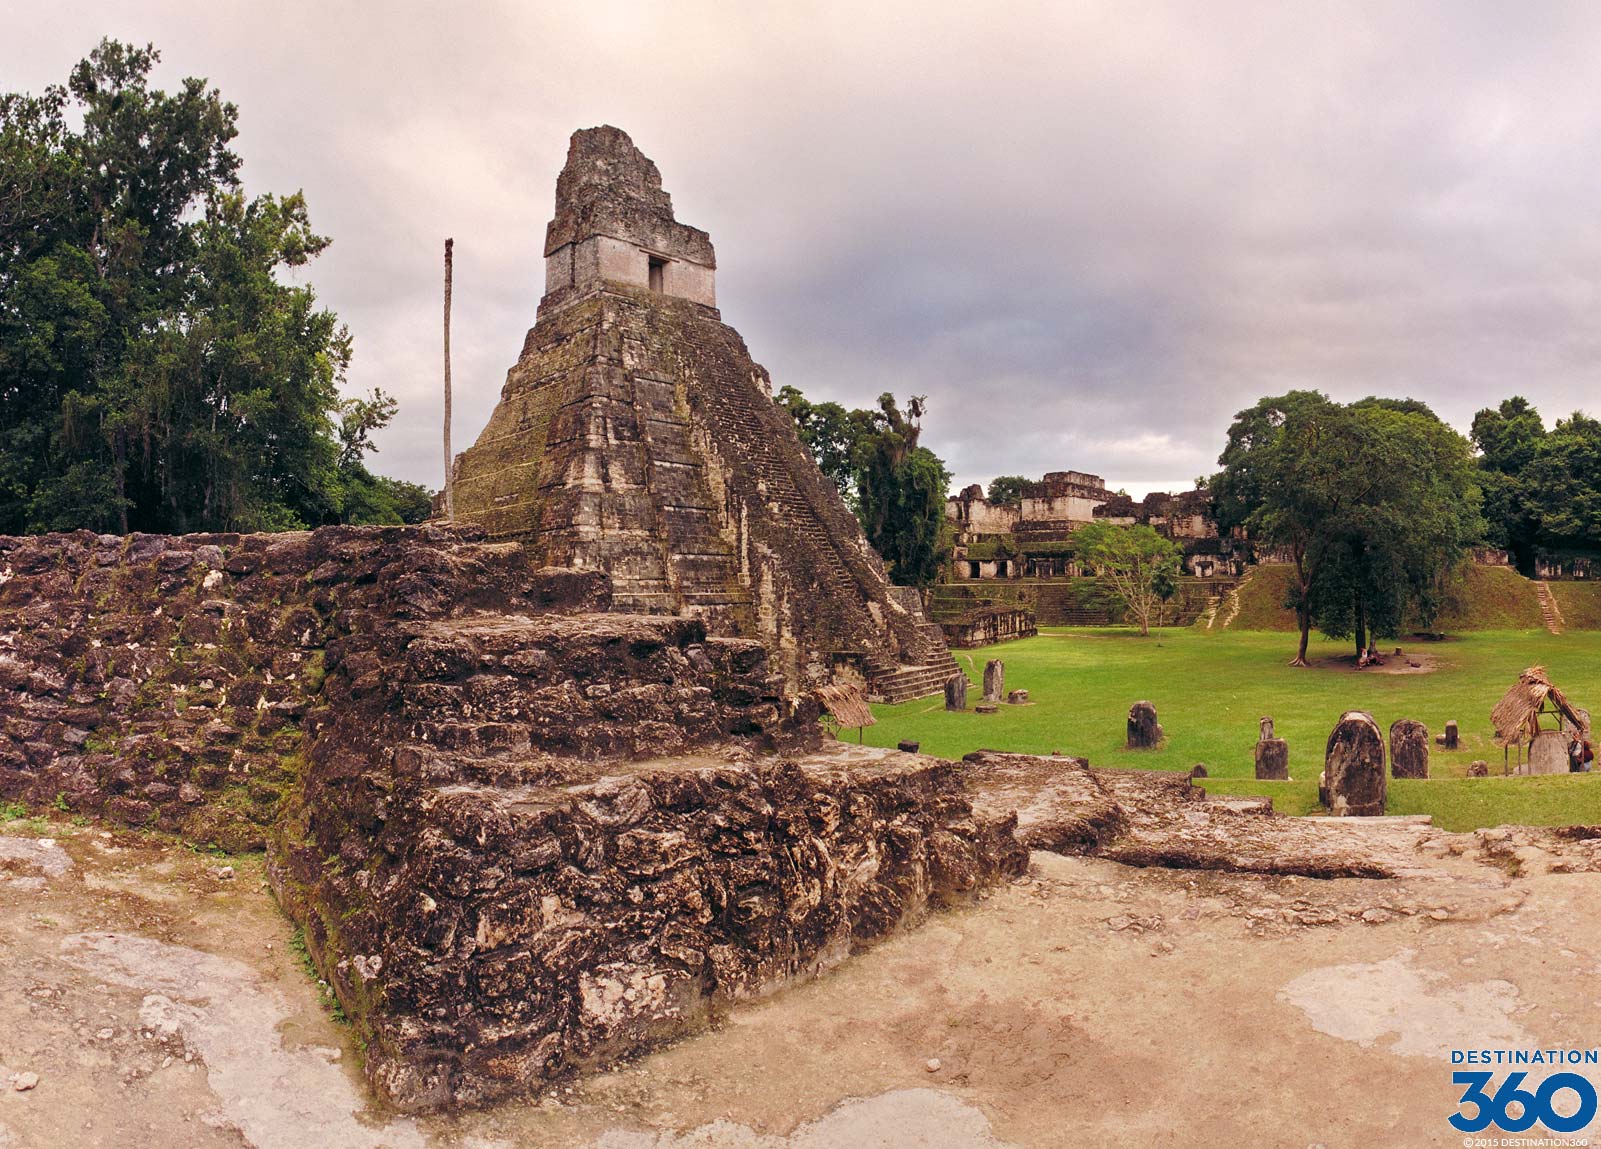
204,1033
523,834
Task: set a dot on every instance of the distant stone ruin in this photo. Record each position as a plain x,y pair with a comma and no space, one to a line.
636,436
1031,538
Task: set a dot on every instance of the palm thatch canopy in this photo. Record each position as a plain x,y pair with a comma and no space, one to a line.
846,703
1517,716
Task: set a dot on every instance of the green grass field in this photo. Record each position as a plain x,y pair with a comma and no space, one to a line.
1210,688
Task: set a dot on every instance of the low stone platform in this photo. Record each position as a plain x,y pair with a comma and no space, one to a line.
494,938
1158,818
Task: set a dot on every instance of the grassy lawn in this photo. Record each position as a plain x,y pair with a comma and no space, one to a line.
1210,688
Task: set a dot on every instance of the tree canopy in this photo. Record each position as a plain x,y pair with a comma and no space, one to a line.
1542,489
1376,502
156,371
1139,562
896,487
1006,490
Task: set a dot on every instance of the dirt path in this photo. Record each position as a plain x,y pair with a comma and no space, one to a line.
159,1004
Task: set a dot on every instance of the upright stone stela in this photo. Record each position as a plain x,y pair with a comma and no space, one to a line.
635,435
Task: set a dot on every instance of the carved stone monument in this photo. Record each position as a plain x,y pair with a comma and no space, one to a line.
956,692
1548,753
1409,749
994,680
1144,732
1273,759
1353,767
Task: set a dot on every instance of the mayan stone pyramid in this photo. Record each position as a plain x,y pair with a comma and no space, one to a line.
635,435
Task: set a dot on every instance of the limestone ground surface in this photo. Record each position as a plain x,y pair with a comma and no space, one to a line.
157,1000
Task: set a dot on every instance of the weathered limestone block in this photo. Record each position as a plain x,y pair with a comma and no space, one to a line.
956,692
1448,740
994,680
1273,759
1478,769
487,940
1265,724
172,681
1353,780
1409,749
1017,697
1144,732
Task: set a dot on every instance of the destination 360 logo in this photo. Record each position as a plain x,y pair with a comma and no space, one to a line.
1563,1101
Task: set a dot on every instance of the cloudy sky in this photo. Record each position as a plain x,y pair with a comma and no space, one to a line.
1088,232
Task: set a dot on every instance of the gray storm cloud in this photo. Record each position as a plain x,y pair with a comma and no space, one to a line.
1089,232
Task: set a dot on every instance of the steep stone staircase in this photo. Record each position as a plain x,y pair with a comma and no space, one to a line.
1231,603
930,662
1550,612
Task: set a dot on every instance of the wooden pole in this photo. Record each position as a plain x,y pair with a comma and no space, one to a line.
450,481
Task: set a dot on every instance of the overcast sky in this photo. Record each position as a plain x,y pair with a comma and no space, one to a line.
1088,232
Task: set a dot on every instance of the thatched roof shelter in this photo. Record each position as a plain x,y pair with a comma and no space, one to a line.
1517,716
846,704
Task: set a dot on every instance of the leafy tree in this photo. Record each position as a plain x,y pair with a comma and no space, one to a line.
1375,502
1508,436
156,372
1007,490
902,488
896,487
1139,563
1281,478
1562,486
1165,585
832,435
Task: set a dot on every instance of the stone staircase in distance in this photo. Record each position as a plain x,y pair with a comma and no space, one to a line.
929,663
1550,613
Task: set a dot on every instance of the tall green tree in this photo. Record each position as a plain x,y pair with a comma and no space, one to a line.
1140,563
156,371
1376,504
1508,436
902,489
896,487
832,435
1561,487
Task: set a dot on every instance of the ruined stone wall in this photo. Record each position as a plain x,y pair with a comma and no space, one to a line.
524,834
989,625
973,514
488,938
171,681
